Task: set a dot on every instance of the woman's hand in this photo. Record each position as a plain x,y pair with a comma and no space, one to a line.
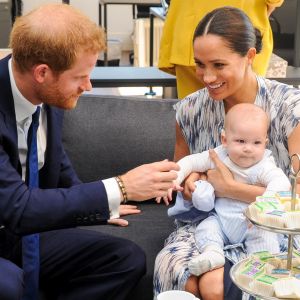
220,177
123,211
189,185
294,147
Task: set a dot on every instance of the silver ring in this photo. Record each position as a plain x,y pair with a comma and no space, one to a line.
293,159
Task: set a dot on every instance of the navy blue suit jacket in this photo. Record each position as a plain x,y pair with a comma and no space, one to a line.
62,200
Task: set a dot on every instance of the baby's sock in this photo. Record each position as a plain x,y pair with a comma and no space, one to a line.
203,196
211,258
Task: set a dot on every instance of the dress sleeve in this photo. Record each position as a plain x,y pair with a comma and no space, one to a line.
291,116
185,115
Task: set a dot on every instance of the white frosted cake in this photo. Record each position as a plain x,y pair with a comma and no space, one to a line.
266,274
276,211
287,288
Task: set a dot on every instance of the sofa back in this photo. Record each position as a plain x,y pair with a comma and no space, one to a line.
108,135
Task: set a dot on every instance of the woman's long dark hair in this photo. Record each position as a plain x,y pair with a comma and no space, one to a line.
234,26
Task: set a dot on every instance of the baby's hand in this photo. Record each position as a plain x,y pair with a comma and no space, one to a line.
167,199
177,187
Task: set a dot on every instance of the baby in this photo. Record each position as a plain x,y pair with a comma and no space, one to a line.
244,152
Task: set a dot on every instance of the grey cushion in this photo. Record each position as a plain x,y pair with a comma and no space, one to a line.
107,135
148,230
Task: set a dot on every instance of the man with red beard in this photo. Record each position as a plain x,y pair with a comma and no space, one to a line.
54,49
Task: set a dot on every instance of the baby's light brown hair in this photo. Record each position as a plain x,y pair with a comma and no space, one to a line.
246,113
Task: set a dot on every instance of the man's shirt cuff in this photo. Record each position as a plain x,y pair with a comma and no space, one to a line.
113,196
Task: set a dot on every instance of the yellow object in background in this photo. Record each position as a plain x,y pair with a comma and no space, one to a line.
176,46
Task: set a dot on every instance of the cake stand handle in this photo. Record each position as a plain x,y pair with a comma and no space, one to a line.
294,175
290,252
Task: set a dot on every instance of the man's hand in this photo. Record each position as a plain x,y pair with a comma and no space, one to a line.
220,177
123,211
150,180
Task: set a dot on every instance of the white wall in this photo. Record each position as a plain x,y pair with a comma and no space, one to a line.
28,5
120,24
119,17
88,7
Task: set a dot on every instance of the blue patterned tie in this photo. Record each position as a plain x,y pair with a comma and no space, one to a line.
30,243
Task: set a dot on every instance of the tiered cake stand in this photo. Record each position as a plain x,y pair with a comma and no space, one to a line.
295,160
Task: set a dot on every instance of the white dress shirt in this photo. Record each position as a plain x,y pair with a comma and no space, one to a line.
24,110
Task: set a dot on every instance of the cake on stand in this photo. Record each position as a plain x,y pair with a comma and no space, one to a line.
291,232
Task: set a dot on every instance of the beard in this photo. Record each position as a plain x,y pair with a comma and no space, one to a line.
54,96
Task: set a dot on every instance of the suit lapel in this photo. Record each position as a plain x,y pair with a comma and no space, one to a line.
7,111
9,131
